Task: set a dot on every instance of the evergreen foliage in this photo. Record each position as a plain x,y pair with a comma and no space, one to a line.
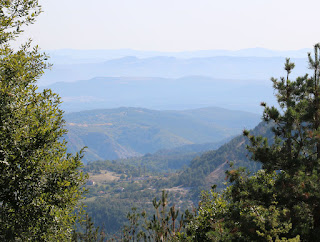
281,201
164,225
40,184
87,231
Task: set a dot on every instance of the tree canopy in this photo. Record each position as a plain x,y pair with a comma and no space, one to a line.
281,202
40,183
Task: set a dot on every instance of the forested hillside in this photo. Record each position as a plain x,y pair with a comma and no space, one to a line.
169,160
154,172
127,132
210,167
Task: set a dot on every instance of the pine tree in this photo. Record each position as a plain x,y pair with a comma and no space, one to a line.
281,201
40,184
164,225
295,153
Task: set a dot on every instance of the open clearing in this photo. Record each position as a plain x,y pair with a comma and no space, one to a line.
105,176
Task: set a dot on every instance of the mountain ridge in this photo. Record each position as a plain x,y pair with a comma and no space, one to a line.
124,132
164,93
171,67
79,56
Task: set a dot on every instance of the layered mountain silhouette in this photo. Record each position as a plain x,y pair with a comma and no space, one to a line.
221,67
126,132
163,93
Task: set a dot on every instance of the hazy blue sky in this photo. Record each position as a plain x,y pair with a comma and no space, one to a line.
176,25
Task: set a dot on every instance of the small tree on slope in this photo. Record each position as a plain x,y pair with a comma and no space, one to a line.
40,184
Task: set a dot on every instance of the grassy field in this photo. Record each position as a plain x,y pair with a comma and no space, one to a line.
104,176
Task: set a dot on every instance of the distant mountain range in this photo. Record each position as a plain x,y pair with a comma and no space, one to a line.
72,56
97,79
126,132
163,94
222,67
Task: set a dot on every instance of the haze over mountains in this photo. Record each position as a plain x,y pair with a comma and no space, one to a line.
256,63
240,80
171,67
72,56
179,115
126,132
164,94
145,82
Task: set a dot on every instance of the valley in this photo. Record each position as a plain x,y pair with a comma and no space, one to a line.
127,132
118,185
147,134
159,121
